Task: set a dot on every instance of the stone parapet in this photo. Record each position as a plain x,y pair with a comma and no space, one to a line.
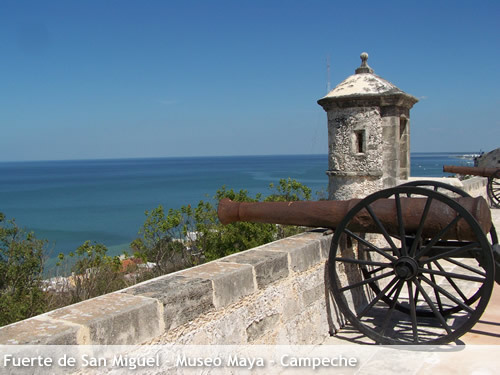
274,293
115,318
475,186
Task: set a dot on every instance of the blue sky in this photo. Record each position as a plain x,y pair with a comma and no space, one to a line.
114,79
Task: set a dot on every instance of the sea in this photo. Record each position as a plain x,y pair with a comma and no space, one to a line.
69,202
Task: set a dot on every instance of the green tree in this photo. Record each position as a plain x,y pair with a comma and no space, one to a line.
164,239
188,236
289,190
94,273
21,265
216,240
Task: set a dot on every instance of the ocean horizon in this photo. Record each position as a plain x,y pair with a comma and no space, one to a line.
70,201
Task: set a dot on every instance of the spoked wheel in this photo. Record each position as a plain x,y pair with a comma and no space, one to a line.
493,239
494,189
430,289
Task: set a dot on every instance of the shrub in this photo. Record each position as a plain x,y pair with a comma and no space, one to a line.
164,239
21,264
188,236
93,274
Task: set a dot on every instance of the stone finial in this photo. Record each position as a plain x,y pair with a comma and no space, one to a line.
364,68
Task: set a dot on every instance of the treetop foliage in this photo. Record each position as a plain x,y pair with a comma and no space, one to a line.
187,236
22,258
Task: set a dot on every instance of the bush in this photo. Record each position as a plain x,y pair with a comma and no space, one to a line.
165,238
95,273
21,265
187,236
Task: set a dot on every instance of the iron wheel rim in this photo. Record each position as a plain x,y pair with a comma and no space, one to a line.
376,329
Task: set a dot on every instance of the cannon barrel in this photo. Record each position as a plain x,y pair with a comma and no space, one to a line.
328,214
474,171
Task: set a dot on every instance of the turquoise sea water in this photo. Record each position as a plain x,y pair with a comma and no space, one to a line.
69,202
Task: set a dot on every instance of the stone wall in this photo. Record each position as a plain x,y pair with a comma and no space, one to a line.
404,148
272,294
390,151
354,160
343,153
475,186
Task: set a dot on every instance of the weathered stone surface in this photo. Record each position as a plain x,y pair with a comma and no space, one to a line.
352,174
314,294
115,319
308,327
269,316
318,235
40,330
269,266
476,186
183,298
230,281
220,302
344,188
303,253
343,154
490,159
259,328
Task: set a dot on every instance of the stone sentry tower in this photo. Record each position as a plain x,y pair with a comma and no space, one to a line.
368,134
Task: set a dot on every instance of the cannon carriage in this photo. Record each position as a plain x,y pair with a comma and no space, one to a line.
407,265
493,174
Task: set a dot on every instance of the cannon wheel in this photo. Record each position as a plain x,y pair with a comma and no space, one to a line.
494,189
429,287
436,185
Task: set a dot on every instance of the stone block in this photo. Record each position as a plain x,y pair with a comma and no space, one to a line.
325,241
260,328
230,281
269,266
40,330
183,298
317,293
308,327
303,253
115,319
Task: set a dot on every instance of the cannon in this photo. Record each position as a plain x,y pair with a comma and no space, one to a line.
493,174
407,265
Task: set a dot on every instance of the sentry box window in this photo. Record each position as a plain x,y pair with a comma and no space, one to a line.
359,142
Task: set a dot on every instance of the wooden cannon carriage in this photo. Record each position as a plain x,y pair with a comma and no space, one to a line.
407,265
493,174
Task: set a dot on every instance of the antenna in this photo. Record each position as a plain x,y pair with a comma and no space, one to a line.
328,73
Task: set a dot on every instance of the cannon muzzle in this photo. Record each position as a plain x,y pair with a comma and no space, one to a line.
328,214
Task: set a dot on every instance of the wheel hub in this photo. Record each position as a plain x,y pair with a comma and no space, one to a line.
406,268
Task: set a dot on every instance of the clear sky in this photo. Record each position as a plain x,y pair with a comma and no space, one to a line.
114,79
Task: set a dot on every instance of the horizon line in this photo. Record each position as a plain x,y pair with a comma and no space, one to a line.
208,156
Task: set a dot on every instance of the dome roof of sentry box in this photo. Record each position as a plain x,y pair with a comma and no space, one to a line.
365,84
